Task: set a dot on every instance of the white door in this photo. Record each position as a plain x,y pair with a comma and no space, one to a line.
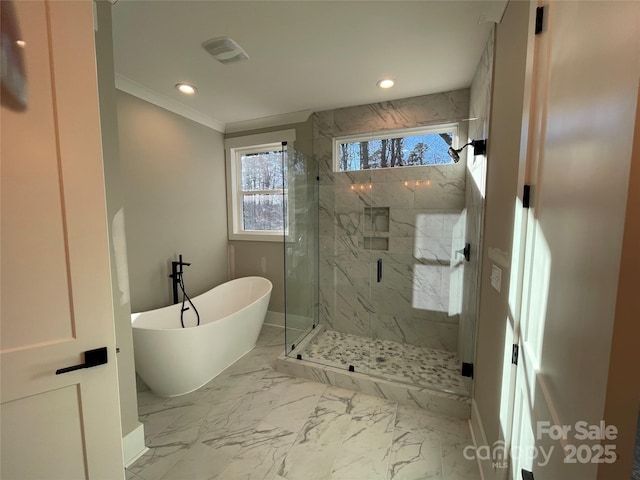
56,290
532,274
580,132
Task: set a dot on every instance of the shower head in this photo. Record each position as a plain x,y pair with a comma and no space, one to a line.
454,154
479,148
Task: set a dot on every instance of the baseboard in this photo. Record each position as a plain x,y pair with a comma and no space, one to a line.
274,318
480,438
299,322
277,319
133,446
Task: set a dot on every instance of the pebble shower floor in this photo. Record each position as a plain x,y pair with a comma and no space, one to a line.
421,366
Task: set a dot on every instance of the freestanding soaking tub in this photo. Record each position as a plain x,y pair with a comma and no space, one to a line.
173,360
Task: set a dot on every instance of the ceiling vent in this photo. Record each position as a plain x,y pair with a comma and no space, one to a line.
225,50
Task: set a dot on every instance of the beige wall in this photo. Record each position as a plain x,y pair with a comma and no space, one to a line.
115,202
175,201
623,388
266,259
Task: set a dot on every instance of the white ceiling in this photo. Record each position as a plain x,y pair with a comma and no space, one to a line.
303,55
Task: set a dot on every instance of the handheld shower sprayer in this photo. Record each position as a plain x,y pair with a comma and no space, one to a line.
479,148
177,278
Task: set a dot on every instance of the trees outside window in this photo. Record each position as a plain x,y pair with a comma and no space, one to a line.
263,190
426,146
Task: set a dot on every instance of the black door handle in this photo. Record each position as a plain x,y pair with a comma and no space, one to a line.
92,358
379,270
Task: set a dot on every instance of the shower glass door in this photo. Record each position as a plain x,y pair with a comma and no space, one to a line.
345,266
300,188
413,228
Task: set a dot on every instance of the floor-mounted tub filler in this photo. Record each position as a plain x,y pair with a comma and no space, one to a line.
173,360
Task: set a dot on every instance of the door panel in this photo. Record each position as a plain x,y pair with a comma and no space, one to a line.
56,289
36,417
32,217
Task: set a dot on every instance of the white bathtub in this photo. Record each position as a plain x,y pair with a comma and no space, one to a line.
173,360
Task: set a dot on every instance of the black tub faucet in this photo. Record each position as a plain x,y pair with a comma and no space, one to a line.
176,276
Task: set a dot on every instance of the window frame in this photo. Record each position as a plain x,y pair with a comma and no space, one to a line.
387,134
234,148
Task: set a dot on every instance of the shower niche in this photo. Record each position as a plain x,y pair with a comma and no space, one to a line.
376,228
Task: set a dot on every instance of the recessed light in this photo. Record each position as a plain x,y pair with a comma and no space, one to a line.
21,43
386,83
186,88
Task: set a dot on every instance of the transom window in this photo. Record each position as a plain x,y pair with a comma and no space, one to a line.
257,181
398,148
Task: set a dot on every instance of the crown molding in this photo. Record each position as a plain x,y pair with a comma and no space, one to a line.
266,122
493,12
137,90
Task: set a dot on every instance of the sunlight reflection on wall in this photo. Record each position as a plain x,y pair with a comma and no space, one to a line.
438,275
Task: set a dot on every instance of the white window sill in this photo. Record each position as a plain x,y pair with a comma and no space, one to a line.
258,237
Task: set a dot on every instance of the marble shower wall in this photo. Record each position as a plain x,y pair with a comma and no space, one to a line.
408,217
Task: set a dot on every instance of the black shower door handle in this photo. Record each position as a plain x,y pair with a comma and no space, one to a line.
379,270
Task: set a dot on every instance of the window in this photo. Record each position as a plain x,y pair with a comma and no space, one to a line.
399,148
261,189
257,188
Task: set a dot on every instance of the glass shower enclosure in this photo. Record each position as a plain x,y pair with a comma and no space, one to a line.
300,187
374,263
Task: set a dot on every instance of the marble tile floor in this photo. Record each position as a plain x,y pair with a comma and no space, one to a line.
420,366
252,422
